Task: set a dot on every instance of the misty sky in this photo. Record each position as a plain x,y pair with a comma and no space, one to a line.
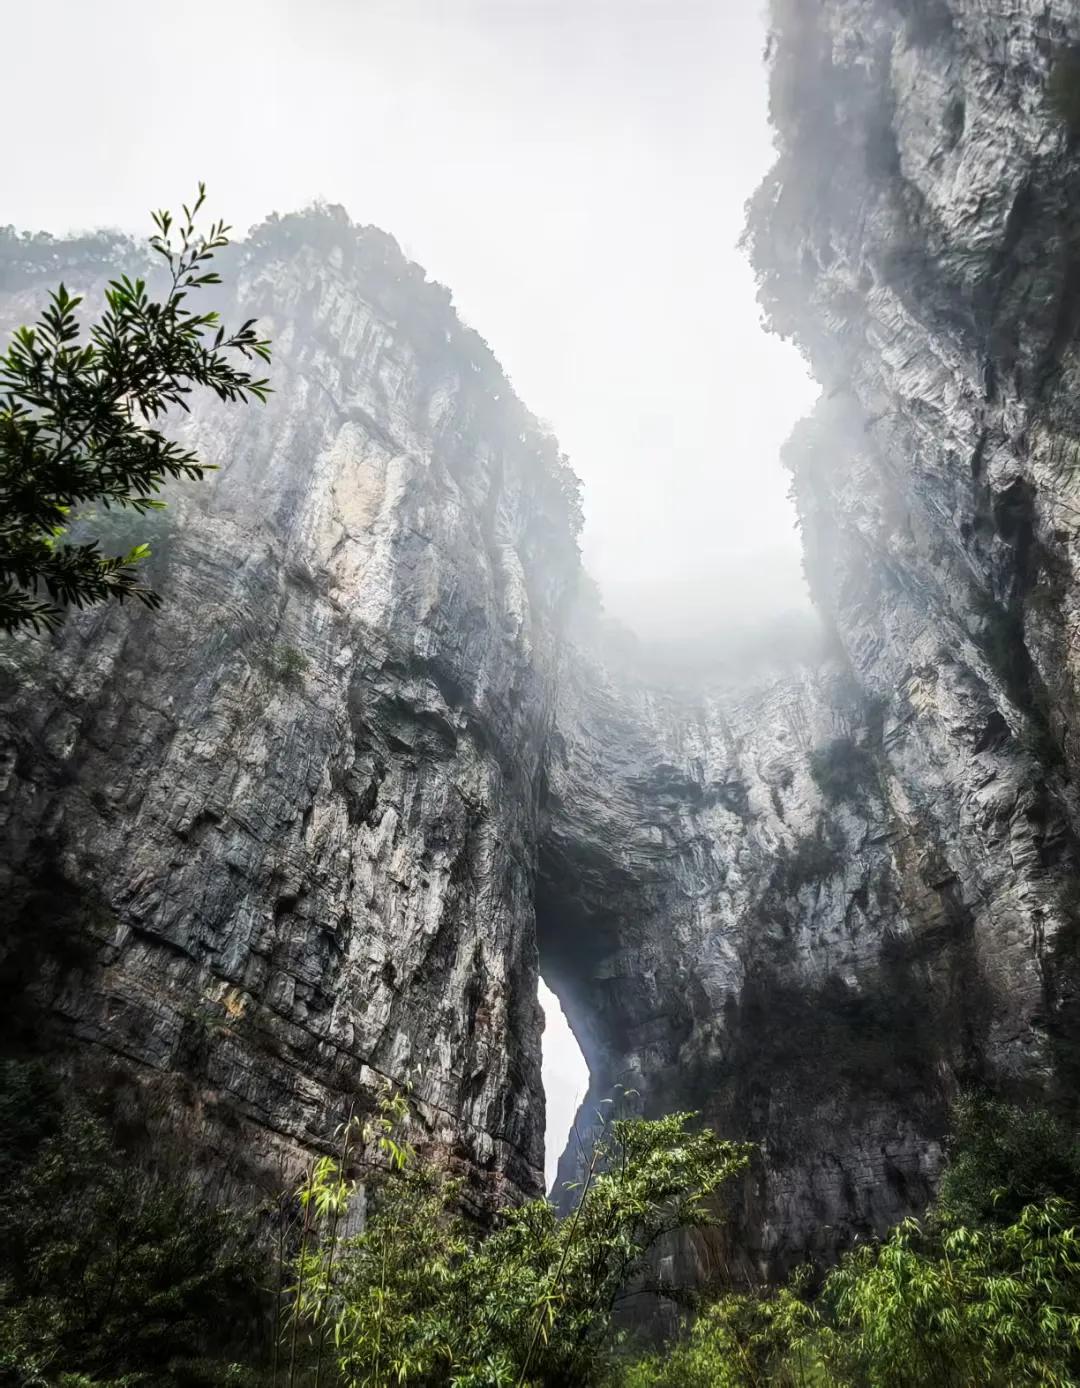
574,170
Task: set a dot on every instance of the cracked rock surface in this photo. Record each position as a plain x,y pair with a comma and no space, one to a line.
280,844
822,908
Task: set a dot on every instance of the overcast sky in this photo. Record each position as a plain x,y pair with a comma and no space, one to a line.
574,170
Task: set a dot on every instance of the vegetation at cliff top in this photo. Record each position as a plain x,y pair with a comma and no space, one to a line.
115,1279
78,423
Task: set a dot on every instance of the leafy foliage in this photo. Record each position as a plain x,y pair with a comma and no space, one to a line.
110,1277
28,258
287,666
418,1299
1004,1158
739,1340
121,530
985,1291
78,423
105,1271
967,1305
843,770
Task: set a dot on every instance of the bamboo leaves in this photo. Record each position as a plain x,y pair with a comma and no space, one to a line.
419,1298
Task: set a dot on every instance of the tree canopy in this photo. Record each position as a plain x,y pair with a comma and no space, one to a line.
80,417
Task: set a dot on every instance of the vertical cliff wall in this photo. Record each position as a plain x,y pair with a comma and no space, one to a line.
314,825
919,238
819,903
278,843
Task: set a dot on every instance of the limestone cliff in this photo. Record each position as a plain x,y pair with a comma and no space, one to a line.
824,907
282,843
321,820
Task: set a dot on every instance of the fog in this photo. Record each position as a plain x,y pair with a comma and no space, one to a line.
575,171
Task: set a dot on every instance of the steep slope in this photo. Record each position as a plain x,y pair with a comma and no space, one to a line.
818,908
277,844
931,275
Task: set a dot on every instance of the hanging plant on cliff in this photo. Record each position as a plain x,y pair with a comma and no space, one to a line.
78,423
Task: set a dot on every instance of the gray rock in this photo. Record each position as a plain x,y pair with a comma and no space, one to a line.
319,823
277,845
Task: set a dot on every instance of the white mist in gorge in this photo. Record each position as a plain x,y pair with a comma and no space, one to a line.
574,170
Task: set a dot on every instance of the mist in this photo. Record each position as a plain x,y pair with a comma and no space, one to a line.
575,172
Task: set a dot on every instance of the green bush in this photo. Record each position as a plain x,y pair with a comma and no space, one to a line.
417,1299
287,666
110,1278
986,1291
1004,1158
813,858
740,1339
842,770
80,407
107,1272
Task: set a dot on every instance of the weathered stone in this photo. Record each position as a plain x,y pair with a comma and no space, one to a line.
288,826
315,823
818,911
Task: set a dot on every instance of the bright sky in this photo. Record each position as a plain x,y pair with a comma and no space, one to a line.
566,1078
574,170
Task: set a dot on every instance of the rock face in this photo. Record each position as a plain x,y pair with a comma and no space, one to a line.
319,823
281,845
827,902
820,908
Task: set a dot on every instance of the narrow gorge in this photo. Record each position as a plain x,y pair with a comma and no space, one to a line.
382,761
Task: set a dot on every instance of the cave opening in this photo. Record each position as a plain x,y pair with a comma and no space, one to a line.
576,934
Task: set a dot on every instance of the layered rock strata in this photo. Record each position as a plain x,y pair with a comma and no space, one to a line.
276,846
313,826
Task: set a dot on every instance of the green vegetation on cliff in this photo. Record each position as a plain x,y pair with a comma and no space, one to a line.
985,1290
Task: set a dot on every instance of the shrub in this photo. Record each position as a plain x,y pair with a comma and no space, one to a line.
106,1271
814,858
740,1339
287,666
842,770
418,1299
1005,1158
986,1291
987,1305
79,417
